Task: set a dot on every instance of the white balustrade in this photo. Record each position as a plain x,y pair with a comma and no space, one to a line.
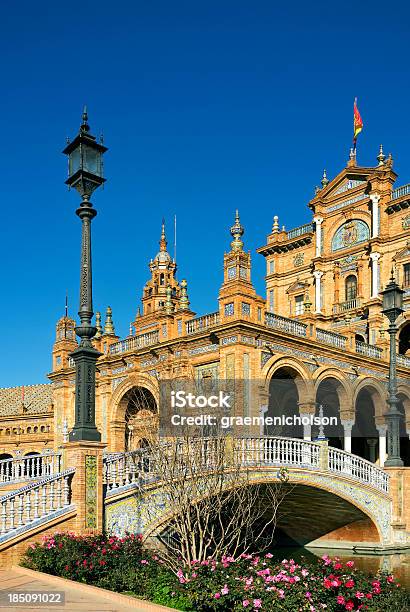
369,350
20,469
331,338
299,231
138,467
400,192
357,468
348,305
269,450
134,343
403,360
22,508
290,326
200,323
126,468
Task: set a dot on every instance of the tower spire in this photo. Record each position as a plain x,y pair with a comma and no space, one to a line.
109,325
381,156
84,126
237,232
163,240
98,326
325,180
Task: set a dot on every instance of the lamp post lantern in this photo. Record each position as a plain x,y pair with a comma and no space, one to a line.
85,174
392,308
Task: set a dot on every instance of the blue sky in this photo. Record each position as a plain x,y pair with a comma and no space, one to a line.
206,106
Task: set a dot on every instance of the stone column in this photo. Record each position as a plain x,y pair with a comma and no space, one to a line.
87,484
336,278
307,409
375,274
318,221
262,413
347,427
382,429
371,443
375,214
318,301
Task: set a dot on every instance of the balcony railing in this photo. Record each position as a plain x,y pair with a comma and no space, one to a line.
299,231
369,350
328,337
136,342
290,326
400,192
200,323
348,305
403,360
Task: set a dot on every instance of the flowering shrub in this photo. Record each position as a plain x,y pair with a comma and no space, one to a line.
248,583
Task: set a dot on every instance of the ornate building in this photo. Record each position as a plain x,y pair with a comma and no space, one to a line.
318,337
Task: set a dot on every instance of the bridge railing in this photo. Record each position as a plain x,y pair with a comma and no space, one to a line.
278,451
342,462
19,469
34,503
127,468
139,467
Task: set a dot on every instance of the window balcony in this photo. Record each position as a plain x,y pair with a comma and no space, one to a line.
348,305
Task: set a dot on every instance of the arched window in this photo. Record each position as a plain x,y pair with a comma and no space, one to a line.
351,287
162,280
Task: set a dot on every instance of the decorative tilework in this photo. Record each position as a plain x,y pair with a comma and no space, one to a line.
231,273
246,309
229,309
243,272
208,348
91,491
230,340
117,381
298,260
350,233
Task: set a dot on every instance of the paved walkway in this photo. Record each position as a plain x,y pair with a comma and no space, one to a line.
77,596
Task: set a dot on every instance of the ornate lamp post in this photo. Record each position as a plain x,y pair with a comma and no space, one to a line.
392,308
85,174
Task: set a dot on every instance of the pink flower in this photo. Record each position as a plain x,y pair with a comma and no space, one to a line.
257,603
246,603
338,566
308,595
144,562
350,564
340,599
390,579
349,605
359,595
268,556
369,596
217,595
281,593
225,590
304,573
349,583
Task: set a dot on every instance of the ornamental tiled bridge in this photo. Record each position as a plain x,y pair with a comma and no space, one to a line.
337,498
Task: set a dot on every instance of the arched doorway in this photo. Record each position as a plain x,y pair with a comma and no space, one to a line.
140,411
283,403
365,436
329,396
404,339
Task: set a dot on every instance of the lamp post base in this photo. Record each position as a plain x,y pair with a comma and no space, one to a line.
394,462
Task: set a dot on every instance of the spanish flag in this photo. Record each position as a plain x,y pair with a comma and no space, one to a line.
357,122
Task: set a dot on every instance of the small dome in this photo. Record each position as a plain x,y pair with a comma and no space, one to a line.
162,257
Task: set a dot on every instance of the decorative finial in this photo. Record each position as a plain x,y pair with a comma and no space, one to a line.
183,300
131,330
109,325
66,304
168,303
389,161
317,189
138,311
307,303
84,126
381,156
98,325
236,232
275,226
325,180
163,240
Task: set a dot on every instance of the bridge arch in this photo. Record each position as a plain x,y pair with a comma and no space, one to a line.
328,510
